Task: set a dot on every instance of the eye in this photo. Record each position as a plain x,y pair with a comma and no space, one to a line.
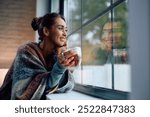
66,30
60,28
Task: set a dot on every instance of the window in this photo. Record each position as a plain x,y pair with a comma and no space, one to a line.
54,6
100,28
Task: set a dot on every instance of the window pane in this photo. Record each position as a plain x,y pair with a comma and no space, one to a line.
120,43
91,8
92,38
73,14
55,6
73,41
104,42
95,70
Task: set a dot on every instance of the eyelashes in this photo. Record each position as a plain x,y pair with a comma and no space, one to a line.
62,28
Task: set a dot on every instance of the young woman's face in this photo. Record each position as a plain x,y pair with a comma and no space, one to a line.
58,33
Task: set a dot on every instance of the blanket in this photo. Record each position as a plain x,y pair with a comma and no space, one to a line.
28,75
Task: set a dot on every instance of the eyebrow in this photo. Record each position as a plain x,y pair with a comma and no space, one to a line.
62,26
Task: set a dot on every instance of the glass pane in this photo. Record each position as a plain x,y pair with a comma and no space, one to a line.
91,8
73,41
55,6
96,70
73,14
120,42
104,43
94,52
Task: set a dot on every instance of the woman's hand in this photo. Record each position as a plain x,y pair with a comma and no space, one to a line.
68,58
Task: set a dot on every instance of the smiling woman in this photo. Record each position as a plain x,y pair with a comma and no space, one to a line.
38,67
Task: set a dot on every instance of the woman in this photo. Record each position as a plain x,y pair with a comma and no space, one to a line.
40,68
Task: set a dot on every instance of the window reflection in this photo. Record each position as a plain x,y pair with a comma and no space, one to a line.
122,75
91,42
94,70
112,43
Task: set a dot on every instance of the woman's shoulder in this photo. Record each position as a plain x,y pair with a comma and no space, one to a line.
27,46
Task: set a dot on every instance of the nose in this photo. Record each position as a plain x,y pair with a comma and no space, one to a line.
65,33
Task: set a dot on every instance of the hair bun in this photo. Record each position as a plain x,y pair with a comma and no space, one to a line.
35,23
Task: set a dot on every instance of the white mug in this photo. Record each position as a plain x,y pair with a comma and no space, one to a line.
77,50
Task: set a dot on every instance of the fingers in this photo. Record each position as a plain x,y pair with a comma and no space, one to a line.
68,59
69,54
68,62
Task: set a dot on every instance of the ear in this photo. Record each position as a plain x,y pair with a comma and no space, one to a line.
46,31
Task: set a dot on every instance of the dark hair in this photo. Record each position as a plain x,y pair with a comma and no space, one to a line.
47,20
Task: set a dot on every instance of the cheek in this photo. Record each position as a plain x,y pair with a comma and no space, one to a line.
57,34
57,38
54,35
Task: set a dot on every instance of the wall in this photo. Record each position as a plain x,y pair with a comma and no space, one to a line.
139,42
15,27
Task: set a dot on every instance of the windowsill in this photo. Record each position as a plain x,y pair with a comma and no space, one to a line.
73,95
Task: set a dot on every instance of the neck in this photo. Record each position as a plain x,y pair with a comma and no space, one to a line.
47,50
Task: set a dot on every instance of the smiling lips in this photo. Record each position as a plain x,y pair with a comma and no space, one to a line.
62,39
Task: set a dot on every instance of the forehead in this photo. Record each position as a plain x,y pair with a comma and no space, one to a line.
60,21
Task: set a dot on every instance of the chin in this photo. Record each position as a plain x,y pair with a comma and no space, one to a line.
61,45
